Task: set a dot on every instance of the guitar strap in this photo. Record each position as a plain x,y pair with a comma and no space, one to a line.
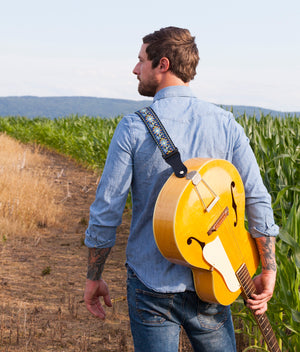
169,152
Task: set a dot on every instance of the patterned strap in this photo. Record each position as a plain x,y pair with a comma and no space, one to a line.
169,152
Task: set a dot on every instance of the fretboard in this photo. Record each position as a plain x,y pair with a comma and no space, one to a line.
261,319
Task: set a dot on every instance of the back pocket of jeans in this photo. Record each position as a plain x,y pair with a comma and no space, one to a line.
153,308
212,316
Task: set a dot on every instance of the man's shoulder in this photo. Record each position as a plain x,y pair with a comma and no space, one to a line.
130,117
193,106
129,121
212,107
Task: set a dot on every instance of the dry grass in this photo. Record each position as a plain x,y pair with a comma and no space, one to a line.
27,198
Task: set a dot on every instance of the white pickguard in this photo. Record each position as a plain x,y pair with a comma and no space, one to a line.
214,253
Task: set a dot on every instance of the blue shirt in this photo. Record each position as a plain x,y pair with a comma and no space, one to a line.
198,129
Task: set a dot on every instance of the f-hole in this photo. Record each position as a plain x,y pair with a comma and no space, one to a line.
190,240
233,202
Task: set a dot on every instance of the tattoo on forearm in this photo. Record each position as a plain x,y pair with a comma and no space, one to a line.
266,248
96,260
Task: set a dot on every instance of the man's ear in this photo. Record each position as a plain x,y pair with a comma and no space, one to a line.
164,64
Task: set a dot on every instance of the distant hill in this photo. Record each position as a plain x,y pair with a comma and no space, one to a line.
54,107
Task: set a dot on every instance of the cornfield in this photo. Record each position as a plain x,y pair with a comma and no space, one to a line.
275,142
85,139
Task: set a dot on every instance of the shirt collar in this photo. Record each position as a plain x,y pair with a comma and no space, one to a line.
174,91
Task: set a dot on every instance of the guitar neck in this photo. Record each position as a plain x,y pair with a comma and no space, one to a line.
262,320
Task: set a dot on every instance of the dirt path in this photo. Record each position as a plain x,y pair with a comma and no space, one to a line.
42,278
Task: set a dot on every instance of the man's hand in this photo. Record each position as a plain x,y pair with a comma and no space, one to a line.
95,287
93,291
265,282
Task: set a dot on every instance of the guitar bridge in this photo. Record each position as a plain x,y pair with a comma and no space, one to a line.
219,221
196,178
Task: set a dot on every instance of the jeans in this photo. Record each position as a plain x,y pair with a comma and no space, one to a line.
156,320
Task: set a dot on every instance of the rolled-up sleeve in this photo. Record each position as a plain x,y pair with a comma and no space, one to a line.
112,191
259,211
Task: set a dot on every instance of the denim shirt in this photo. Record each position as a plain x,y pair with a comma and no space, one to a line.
198,129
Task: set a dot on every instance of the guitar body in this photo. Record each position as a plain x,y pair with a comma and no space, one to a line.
199,222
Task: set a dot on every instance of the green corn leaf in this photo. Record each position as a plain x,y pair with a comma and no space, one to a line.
296,315
287,238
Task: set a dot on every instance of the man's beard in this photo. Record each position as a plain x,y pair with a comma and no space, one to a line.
148,89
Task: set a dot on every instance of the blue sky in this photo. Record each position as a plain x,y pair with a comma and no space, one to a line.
249,50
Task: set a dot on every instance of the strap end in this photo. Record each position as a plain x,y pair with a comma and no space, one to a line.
174,160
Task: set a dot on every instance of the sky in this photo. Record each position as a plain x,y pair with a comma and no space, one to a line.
249,50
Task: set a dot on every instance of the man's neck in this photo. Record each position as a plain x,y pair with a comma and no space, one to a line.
168,80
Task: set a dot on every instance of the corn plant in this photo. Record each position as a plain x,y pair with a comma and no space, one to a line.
86,139
275,143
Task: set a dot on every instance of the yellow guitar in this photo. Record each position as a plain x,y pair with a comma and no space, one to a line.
199,222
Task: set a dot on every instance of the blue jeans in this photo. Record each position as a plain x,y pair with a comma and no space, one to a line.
156,320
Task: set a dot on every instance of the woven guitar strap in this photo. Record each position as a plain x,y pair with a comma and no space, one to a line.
168,150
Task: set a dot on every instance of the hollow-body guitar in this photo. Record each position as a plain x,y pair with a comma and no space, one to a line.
199,222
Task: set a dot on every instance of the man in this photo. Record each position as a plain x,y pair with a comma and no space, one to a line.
161,295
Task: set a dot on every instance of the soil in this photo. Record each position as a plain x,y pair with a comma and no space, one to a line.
42,277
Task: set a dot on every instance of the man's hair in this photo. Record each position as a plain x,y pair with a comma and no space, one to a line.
178,46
